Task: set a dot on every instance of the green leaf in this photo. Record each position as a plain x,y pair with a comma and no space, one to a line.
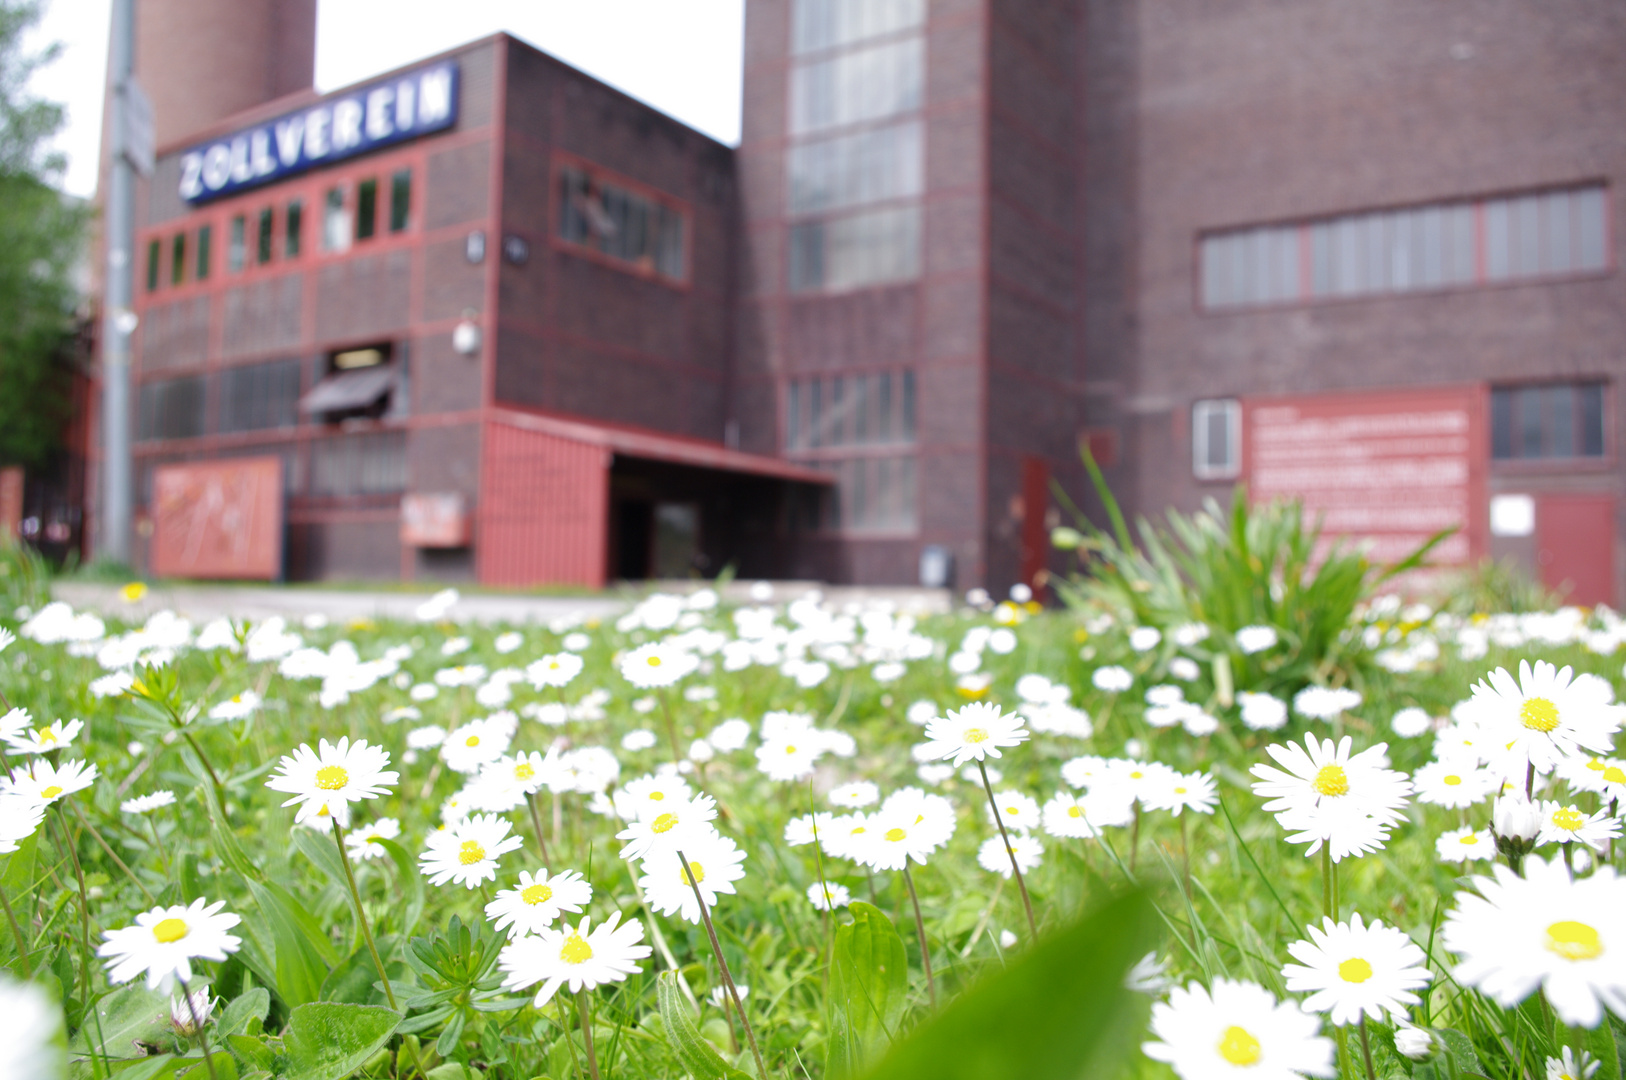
328,1041
124,1016
1054,1013
353,980
301,955
1461,1051
869,985
700,1059
252,1051
1601,1042
407,864
226,845
320,849
254,1004
150,1068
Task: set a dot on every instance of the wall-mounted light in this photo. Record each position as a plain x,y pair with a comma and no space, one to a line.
466,335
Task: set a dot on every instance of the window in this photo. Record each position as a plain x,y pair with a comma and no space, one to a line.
867,167
205,239
366,209
260,396
865,84
1216,440
620,223
236,253
154,254
1561,231
171,409
293,222
265,236
372,463
860,409
400,200
874,248
1556,420
335,222
824,24
177,259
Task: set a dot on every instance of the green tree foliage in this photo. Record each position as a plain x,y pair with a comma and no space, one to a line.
41,238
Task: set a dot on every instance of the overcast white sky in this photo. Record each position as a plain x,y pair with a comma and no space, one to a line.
681,56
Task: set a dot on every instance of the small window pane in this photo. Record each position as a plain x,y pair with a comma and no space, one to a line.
335,221
293,228
1590,401
1501,423
177,259
1591,230
154,255
205,242
400,200
1532,440
237,252
265,236
366,209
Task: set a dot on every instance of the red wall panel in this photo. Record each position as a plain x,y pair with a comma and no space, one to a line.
544,511
1575,546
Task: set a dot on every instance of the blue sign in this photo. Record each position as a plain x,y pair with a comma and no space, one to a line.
380,115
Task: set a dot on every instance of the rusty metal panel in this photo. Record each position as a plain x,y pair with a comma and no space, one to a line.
218,519
544,510
1388,469
437,520
11,501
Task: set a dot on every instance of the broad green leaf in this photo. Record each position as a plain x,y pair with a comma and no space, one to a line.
1601,1042
353,980
328,1041
19,875
869,984
252,1004
226,845
453,1070
1051,1014
407,864
149,1068
1461,1051
302,955
252,1051
320,849
700,1059
124,1016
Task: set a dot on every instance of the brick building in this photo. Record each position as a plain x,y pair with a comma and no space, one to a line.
1361,254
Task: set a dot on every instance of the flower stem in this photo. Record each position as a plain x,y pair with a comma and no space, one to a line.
587,1033
728,979
1326,880
17,934
999,820
920,928
1134,839
112,854
220,790
671,726
197,1024
564,1026
361,915
1366,1050
536,823
84,927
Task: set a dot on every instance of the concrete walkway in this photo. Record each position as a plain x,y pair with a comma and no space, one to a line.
201,602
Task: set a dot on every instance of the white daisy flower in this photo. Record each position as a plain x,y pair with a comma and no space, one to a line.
461,675
146,804
1466,844
1413,1042
973,733
1543,718
649,795
1177,791
6,638
730,735
467,852
1020,812
1070,817
894,835
1411,722
858,794
1256,639
1144,638
32,1046
1112,679
508,642
424,692
1562,824
1134,780
19,818
236,707
790,757
658,663
324,782
1544,931
14,722
43,783
555,669
576,642
641,739
164,941
1568,1067
1325,702
1083,772
1453,784
1347,802
1585,772
1238,1030
994,857
112,684
426,738
359,843
1352,970
471,747
506,783
828,896
663,828
1262,712
43,740
538,900
189,1013
578,957
843,837
715,861
1188,634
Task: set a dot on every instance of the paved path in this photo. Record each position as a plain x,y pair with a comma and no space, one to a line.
203,602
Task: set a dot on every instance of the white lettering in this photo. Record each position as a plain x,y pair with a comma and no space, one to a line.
406,98
192,175
260,153
316,133
290,133
216,166
346,124
434,96
239,159
378,113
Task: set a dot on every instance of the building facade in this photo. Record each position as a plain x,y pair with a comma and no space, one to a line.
1363,256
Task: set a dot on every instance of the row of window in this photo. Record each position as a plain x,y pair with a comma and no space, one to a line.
614,221
1552,422
850,410
359,463
348,214
1440,245
828,24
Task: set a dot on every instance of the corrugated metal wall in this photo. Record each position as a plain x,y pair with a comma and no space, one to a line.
544,514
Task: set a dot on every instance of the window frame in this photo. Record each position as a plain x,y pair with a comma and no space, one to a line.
1604,462
1202,412
563,161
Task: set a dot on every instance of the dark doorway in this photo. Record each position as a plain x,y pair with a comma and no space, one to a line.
633,527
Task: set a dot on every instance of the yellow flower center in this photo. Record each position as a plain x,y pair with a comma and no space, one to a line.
1179,791
51,792
654,661
1137,775
45,735
699,874
1539,714
1011,810
657,796
1570,819
1574,940
790,749
576,950
1239,1047
895,835
470,853
472,740
169,930
1355,970
1595,764
1614,775
536,894
858,829
976,735
663,823
1471,838
524,771
1331,780
331,777
1452,781
1073,811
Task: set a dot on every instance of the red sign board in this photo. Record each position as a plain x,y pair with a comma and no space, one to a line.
218,519
1385,469
434,520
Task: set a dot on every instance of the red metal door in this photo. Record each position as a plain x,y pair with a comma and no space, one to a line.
544,511
1575,546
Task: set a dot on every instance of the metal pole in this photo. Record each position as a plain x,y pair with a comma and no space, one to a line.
118,322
